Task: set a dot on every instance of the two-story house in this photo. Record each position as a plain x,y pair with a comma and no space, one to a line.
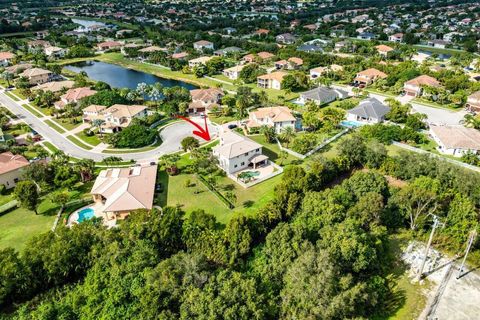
204,99
37,75
73,96
114,118
277,117
367,77
473,102
203,45
415,86
6,58
271,80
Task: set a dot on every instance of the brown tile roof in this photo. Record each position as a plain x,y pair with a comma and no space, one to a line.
78,94
277,75
10,162
55,86
383,48
206,94
6,55
277,114
423,80
372,72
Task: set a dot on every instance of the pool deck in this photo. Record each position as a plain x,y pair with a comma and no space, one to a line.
97,210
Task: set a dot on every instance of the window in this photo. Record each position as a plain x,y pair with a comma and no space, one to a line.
242,164
235,166
246,154
257,150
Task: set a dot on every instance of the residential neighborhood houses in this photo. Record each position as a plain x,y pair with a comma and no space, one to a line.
203,135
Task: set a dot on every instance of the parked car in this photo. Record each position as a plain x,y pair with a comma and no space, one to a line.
232,126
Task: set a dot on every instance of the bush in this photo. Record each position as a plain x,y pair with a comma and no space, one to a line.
134,136
2,189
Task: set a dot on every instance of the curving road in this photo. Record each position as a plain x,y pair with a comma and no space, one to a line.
171,136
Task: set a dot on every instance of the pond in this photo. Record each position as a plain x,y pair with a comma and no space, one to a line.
85,24
120,77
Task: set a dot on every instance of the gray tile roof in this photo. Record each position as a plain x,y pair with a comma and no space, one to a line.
370,108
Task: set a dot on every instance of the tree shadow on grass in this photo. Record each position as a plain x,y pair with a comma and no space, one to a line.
248,203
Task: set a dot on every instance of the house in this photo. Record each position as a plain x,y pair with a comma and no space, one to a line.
261,32
227,51
473,102
114,118
437,43
366,36
199,61
233,73
322,95
11,168
73,96
456,140
414,87
318,72
18,68
236,152
6,58
37,45
383,50
54,86
109,45
263,56
180,55
202,45
292,63
397,37
119,191
152,49
37,75
277,117
204,99
271,80
286,38
310,48
368,111
420,57
55,52
229,30
366,77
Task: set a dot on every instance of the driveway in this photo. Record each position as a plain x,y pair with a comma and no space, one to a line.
171,136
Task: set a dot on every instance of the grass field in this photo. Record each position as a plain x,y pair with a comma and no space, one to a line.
12,96
20,225
67,124
273,152
79,143
93,140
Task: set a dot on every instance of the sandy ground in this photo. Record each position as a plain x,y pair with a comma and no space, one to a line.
449,297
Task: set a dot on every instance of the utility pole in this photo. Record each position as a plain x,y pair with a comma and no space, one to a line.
471,239
436,223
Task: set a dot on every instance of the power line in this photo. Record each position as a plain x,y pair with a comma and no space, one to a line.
436,223
471,239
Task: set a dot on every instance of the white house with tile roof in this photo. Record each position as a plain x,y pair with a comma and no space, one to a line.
276,117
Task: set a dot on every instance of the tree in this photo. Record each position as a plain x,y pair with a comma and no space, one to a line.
135,136
250,72
189,143
287,135
85,168
60,197
26,194
7,76
352,149
97,123
419,199
269,133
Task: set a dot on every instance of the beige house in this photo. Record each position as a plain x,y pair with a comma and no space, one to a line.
36,75
6,58
199,61
115,118
277,117
456,140
383,50
366,77
233,73
271,80
109,45
262,56
292,63
11,167
204,99
54,86
55,52
473,102
415,86
117,192
74,96
202,45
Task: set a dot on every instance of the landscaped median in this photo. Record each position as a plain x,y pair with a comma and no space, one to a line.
54,126
79,143
32,110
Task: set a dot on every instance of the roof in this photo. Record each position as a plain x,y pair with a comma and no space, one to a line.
454,137
206,94
423,80
232,145
200,59
179,55
383,48
277,114
94,108
277,75
203,43
372,72
121,110
78,93
34,72
370,108
19,67
324,94
296,60
126,189
6,55
236,68
10,162
55,86
152,49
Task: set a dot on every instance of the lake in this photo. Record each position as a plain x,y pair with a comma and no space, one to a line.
120,77
88,23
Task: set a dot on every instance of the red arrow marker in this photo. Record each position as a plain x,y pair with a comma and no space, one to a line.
202,132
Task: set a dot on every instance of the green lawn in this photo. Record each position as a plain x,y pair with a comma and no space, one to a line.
12,96
54,126
32,110
50,146
17,92
79,143
221,119
20,225
93,140
67,123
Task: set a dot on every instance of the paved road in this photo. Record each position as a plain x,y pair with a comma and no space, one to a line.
171,137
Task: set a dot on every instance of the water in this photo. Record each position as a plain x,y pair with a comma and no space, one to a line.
120,77
85,214
88,23
351,124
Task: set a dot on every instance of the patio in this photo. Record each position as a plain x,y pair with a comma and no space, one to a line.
255,173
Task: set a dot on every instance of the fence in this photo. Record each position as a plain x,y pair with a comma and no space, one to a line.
417,150
215,192
316,149
278,171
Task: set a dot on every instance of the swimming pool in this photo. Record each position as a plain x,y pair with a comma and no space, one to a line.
85,214
351,124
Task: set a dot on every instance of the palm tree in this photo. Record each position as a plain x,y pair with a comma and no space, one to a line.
7,76
471,121
97,123
85,167
287,135
269,133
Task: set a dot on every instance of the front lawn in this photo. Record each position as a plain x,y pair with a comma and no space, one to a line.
93,139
